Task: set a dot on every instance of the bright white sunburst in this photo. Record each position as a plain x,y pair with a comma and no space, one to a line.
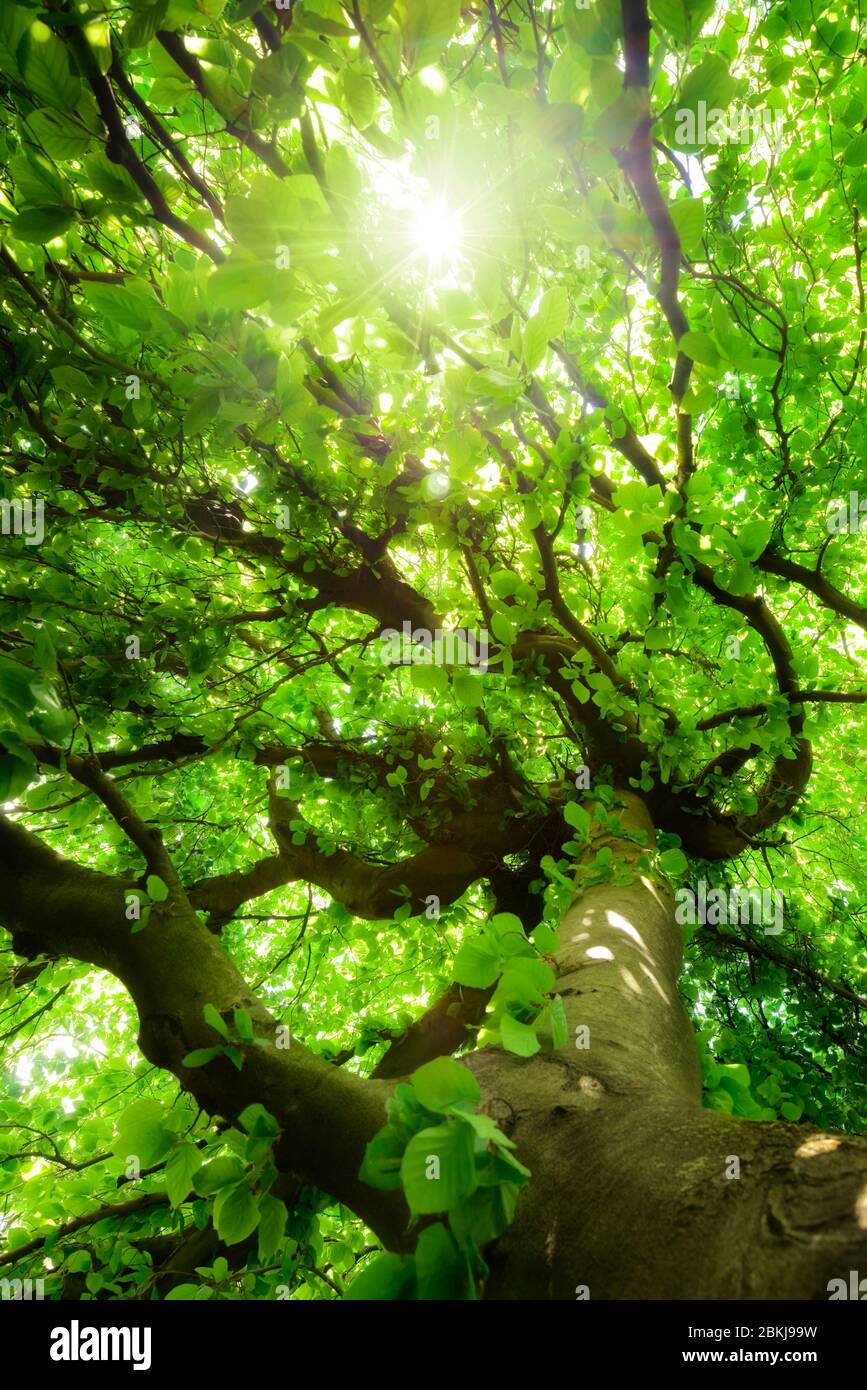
438,232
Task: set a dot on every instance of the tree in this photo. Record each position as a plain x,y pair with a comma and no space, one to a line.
432,597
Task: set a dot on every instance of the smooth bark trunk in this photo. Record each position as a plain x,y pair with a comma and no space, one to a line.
630,1196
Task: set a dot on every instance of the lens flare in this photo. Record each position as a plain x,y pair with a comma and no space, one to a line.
438,232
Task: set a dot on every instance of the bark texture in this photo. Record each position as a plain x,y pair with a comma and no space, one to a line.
630,1195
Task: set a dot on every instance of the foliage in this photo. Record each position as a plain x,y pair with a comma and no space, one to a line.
317,321
447,1157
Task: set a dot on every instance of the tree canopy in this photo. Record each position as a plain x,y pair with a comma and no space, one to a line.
432,441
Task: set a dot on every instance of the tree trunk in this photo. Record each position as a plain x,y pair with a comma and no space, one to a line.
633,1193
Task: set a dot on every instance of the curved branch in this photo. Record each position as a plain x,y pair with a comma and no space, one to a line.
172,968
825,697
80,1223
637,163
369,889
773,563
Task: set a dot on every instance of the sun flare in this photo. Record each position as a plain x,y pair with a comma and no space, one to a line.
438,232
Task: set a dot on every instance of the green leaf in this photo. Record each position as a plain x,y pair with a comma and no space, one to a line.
388,1277
272,1225
469,690
553,310
16,685
142,923
476,965
255,1119
200,1056
15,776
142,1133
688,218
183,1162
535,343
438,1169
508,931
243,1025
60,137
673,862
441,1269
156,889
698,399
565,225
215,1021
361,97
526,980
236,1213
616,125
734,1073
382,1159
262,1130
682,20
545,939
45,67
42,224
548,322
504,583
427,28
219,1173
444,1082
71,379
753,538
241,282
671,16
485,1128
503,628
855,153
518,1037
14,24
97,33
433,680
486,1214
141,27
575,815
710,82
700,347
557,1021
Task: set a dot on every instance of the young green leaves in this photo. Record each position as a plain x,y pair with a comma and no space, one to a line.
242,1032
449,1161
